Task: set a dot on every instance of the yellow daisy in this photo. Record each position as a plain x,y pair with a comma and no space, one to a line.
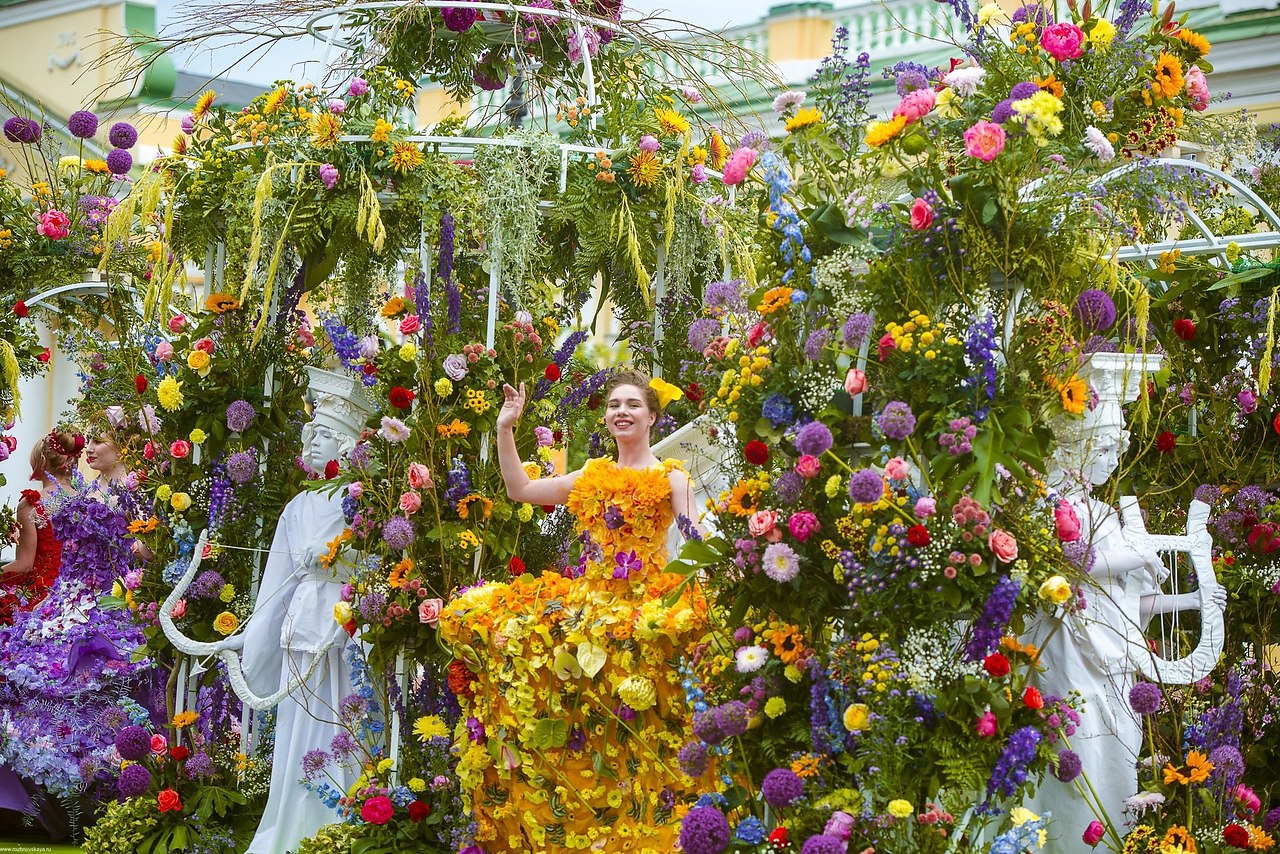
325,130
405,157
803,118
203,103
670,122
645,169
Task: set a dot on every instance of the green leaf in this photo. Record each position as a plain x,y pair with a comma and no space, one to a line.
550,732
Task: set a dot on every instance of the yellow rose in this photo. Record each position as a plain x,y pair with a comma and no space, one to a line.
163,492
198,361
408,352
342,613
1055,589
898,808
225,623
180,501
857,717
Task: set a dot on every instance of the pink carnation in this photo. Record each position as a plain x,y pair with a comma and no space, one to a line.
984,140
54,225
916,104
738,165
1063,40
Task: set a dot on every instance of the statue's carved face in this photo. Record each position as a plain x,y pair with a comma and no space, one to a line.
1103,450
320,443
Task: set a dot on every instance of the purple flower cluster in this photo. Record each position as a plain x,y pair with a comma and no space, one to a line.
457,481
816,342
240,416
781,788
345,343
704,830
20,130
991,623
1095,310
702,332
1145,698
134,780
896,420
1010,770
581,393
133,743
207,585
866,487
981,348
815,438
857,328
909,76
778,410
823,843
722,297
692,759
398,533
242,466
82,124
1068,767
788,487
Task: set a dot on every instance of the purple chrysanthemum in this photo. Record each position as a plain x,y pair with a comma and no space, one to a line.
781,788
200,765
119,161
1095,310
824,844
134,780
240,415
814,439
866,487
704,830
82,124
1145,698
692,759
856,329
733,718
706,726
896,420
242,466
133,743
1069,766
702,332
398,533
123,135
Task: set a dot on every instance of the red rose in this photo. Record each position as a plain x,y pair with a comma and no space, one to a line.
140,383
418,810
996,665
370,369
756,452
779,836
350,628
1184,329
45,356
20,309
548,508
557,436
168,801
1276,422
1031,698
331,469
1235,836
179,753
1166,442
515,566
400,397
694,393
552,372
918,535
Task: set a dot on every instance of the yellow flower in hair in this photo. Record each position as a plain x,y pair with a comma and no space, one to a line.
667,393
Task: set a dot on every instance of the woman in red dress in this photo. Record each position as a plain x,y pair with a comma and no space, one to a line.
27,578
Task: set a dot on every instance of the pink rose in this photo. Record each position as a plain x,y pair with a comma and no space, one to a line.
1063,40
855,382
179,609
164,351
410,325
132,580
429,611
986,725
1197,89
206,345
1093,833
377,810
149,451
916,105
921,215
54,225
355,490
179,449
159,744
926,507
419,477
410,502
887,345
762,522
177,323
760,332
897,469
803,525
1064,516
738,165
1003,546
808,466
984,140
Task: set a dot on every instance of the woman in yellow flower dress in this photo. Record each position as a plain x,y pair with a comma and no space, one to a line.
572,704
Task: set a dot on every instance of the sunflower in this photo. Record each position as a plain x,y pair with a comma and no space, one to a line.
717,150
325,130
274,100
1198,769
803,118
1166,80
392,307
1075,395
335,548
464,506
218,303
184,719
670,122
1198,44
405,157
743,498
1178,840
1259,839
878,133
203,103
645,169
396,577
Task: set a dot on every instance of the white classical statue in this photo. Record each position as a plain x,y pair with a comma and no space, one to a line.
1098,650
292,649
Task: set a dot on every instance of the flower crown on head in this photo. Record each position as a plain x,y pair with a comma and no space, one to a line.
77,444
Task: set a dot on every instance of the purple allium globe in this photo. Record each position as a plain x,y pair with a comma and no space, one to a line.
240,415
824,844
1002,112
724,296
83,124
1095,310
123,135
702,332
242,466
857,328
788,487
1099,344
706,726
692,759
119,161
134,781
815,343
1228,764
1023,90
1207,493
459,19
733,718
1145,698
704,830
398,533
781,787
1271,820
25,131
1034,13
896,420
200,765
208,584
133,743
1069,766
866,487
814,439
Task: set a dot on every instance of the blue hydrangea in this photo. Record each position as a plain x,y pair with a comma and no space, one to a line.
778,410
750,831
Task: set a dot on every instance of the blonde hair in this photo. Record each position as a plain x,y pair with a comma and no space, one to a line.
46,459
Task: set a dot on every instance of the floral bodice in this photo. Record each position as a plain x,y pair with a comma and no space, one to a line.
627,514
